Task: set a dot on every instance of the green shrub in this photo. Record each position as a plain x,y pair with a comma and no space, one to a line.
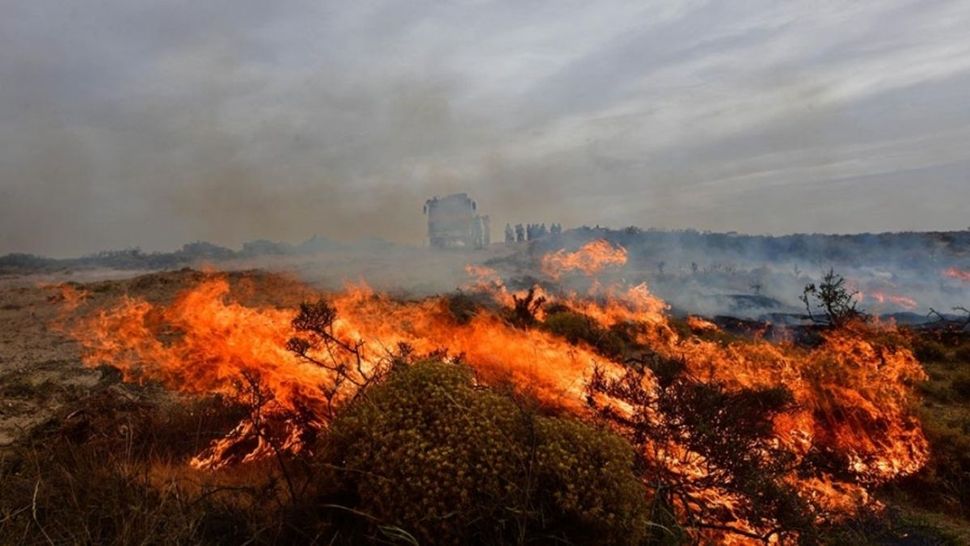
433,455
943,485
577,327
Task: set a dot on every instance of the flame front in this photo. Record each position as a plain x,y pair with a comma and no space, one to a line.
853,393
592,258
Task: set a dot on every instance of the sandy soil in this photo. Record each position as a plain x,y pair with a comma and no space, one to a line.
40,365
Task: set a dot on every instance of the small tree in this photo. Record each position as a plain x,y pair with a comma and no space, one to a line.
833,302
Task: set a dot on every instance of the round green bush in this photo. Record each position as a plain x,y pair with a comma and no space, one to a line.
449,462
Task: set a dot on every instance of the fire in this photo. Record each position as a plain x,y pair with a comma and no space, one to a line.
204,342
882,298
698,324
71,297
199,344
853,394
958,274
592,258
486,279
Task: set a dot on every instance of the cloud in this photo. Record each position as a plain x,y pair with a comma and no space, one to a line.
155,123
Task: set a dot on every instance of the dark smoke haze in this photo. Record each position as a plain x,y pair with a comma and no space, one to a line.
148,123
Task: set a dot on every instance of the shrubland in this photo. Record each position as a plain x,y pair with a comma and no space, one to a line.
428,456
427,453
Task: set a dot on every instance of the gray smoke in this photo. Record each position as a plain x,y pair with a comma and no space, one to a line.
154,123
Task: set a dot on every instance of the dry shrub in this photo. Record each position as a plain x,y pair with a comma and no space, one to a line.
943,485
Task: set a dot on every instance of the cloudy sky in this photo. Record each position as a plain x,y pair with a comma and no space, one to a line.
154,123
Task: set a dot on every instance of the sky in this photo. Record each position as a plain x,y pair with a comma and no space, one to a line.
154,123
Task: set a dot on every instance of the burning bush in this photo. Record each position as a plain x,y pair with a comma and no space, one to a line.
750,437
712,455
450,462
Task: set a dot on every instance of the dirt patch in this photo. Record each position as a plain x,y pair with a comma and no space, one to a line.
40,364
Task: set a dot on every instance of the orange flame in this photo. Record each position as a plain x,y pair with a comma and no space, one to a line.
592,258
904,302
71,296
698,324
853,393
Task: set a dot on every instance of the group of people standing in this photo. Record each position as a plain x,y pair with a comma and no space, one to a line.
529,232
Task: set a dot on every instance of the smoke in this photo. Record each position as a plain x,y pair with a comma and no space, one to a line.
902,274
151,124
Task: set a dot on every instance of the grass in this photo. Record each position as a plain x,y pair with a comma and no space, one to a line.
112,469
940,493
